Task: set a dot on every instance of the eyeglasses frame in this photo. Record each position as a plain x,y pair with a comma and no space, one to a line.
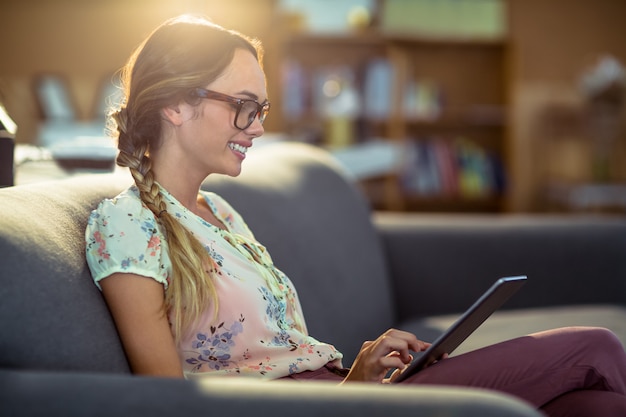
262,108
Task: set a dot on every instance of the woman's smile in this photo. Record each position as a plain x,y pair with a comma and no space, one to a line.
238,149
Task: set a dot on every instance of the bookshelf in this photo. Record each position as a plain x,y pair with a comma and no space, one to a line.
440,100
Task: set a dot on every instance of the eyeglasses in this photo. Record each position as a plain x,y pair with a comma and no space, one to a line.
246,109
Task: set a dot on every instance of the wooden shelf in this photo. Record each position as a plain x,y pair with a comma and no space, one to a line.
470,85
386,193
373,37
454,204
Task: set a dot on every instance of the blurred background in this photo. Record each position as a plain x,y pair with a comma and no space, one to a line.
433,105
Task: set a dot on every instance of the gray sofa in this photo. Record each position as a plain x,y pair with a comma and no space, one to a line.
357,274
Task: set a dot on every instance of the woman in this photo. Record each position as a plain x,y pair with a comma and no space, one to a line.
192,291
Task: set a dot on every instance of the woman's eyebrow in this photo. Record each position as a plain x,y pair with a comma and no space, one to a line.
249,94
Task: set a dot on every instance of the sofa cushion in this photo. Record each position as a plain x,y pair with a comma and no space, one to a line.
316,225
35,394
442,263
51,314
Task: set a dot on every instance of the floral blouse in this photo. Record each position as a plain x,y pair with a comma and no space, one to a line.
259,331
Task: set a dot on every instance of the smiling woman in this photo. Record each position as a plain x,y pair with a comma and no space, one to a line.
162,126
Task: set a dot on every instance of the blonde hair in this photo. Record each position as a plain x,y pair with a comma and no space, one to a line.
180,55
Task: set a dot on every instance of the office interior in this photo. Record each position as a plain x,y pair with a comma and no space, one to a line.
484,106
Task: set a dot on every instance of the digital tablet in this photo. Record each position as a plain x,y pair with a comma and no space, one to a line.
489,302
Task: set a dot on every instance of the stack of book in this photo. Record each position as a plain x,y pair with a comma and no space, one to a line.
442,167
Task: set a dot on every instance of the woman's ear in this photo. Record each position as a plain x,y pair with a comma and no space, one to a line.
173,114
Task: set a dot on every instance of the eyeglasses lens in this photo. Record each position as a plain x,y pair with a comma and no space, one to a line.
248,112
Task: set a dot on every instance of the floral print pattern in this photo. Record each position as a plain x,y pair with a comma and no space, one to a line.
214,348
259,329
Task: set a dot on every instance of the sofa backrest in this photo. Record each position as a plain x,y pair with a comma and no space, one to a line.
294,197
52,317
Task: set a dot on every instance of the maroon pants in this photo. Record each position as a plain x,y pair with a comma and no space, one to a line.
576,371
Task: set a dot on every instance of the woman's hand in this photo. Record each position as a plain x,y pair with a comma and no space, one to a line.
391,350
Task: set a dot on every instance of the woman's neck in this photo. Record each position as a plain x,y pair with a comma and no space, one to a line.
179,179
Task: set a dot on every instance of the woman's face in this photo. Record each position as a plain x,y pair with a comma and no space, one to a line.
209,140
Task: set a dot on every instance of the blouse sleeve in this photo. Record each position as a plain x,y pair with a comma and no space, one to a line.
122,236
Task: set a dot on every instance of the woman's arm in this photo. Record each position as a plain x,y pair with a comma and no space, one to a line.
136,303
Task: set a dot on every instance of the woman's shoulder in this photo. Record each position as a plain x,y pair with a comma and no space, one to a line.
126,203
122,211
122,235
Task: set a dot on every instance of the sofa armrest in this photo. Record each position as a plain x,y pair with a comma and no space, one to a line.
439,264
29,394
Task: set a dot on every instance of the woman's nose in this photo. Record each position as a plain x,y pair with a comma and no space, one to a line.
256,128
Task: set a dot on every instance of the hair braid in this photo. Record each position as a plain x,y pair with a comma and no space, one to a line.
194,288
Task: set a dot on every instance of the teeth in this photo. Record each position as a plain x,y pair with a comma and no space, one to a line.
238,148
